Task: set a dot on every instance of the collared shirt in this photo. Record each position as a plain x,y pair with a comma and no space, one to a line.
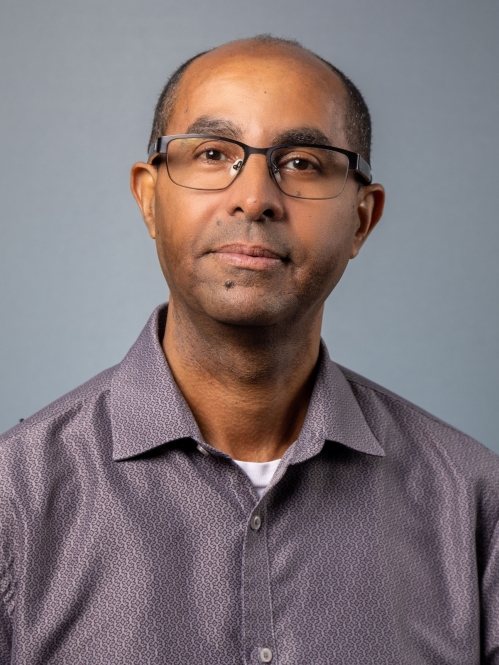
121,543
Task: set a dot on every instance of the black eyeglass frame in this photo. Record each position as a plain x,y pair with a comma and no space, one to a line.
356,162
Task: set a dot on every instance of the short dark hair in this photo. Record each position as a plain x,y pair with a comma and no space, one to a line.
357,117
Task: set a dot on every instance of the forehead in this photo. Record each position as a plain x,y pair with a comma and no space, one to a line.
261,91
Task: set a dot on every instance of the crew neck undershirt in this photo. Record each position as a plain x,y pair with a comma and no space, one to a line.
260,473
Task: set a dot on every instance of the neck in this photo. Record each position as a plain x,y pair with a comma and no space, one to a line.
248,388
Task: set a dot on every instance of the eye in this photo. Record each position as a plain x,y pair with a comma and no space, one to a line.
213,155
298,161
299,164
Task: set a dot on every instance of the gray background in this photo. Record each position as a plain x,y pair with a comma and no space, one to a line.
417,311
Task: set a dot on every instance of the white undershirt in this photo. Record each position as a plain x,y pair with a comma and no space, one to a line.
260,473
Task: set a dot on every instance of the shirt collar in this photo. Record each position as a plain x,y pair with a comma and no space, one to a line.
148,409
333,415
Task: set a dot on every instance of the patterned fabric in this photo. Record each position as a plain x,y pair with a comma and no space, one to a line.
123,543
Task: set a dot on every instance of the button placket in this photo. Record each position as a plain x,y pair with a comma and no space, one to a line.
258,630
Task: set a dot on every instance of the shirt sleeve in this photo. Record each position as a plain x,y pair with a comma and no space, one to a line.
7,582
490,603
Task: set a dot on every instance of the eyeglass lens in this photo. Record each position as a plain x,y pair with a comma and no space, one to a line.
310,173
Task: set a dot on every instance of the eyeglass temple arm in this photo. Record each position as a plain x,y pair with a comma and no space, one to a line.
156,147
363,168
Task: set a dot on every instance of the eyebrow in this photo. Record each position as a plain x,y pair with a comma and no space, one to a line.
210,125
302,135
206,124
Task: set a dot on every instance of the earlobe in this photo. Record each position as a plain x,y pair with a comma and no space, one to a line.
143,186
370,203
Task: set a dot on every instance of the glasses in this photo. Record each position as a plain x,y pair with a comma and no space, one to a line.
304,171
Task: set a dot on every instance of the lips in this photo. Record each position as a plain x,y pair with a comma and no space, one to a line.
249,250
249,257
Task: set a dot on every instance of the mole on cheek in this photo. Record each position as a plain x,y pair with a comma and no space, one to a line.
229,284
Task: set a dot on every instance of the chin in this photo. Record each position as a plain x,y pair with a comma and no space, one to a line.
243,309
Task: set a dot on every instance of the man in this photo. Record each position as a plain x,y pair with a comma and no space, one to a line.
227,494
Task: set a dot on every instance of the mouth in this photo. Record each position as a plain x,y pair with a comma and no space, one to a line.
250,257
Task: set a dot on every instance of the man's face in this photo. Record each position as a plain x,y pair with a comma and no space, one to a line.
207,240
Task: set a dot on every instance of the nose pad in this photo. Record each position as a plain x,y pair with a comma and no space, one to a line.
276,173
237,166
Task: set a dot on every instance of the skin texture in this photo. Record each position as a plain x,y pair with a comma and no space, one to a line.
243,332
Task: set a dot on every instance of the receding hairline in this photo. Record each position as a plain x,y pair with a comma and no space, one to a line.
254,48
356,117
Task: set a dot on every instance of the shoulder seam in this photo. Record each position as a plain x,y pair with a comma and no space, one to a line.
405,403
34,420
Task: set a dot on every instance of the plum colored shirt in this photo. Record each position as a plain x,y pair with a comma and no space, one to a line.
126,540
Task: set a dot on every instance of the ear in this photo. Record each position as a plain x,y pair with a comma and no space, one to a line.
143,179
370,203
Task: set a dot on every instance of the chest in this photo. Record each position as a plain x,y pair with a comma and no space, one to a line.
181,563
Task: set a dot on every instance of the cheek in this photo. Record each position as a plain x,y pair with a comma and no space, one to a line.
327,237
181,221
170,233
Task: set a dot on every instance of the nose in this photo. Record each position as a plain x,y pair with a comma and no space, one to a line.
254,193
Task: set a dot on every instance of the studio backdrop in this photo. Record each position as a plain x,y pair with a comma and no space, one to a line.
417,311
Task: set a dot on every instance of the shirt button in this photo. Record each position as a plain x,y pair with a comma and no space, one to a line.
265,655
255,524
202,450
